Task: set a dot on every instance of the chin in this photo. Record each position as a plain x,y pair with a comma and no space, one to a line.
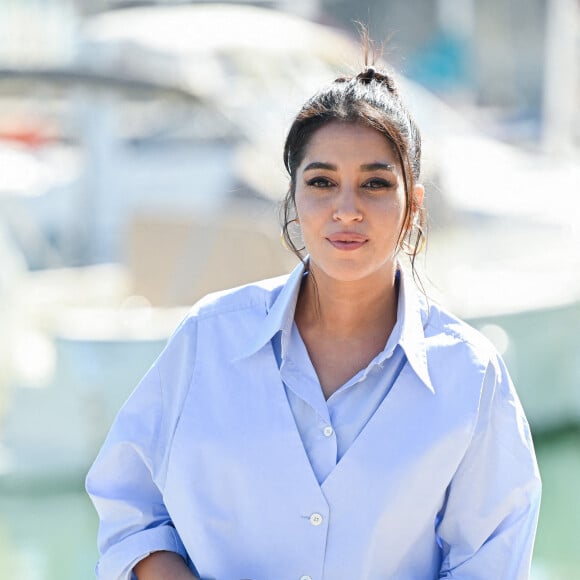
350,271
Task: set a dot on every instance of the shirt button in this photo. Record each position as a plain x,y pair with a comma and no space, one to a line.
305,577
315,519
328,431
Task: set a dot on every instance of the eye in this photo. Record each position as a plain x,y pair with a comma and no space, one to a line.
320,182
378,183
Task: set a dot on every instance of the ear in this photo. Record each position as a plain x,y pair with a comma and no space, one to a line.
418,197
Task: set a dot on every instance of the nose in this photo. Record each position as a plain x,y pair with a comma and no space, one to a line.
346,207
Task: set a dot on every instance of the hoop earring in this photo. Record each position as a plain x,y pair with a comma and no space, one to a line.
285,233
283,241
414,241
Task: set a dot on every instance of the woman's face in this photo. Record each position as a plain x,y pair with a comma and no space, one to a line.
350,202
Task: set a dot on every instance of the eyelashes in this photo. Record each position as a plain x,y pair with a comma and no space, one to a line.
376,183
320,182
371,184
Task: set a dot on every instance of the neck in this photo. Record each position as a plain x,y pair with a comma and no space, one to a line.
348,309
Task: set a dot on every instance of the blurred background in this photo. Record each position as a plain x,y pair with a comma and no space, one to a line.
140,168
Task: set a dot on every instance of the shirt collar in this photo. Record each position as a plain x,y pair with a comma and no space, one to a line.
414,316
279,314
409,329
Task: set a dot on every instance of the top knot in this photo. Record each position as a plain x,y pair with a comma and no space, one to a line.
371,74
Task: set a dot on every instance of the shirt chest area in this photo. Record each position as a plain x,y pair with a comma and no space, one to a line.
237,423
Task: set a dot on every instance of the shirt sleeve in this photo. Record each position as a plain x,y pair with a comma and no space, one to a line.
124,481
488,526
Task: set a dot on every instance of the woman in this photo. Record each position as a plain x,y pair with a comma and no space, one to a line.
332,424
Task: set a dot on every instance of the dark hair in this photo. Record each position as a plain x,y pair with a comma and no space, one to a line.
370,98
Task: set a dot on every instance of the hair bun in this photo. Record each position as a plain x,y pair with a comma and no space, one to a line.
371,74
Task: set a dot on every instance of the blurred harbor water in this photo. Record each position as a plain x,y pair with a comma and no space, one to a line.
556,555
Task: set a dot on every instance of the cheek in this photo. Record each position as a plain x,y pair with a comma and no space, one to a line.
307,209
393,209
393,221
400,208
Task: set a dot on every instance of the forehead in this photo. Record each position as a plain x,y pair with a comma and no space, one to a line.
354,143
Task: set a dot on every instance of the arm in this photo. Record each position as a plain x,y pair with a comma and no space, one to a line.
488,525
163,566
126,480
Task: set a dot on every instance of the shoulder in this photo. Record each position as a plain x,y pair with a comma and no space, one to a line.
246,297
231,314
454,341
465,369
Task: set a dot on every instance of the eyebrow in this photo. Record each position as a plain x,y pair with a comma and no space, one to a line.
320,165
376,166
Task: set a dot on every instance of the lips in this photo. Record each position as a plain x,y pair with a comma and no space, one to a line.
347,240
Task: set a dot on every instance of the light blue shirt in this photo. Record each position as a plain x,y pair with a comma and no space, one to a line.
215,458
